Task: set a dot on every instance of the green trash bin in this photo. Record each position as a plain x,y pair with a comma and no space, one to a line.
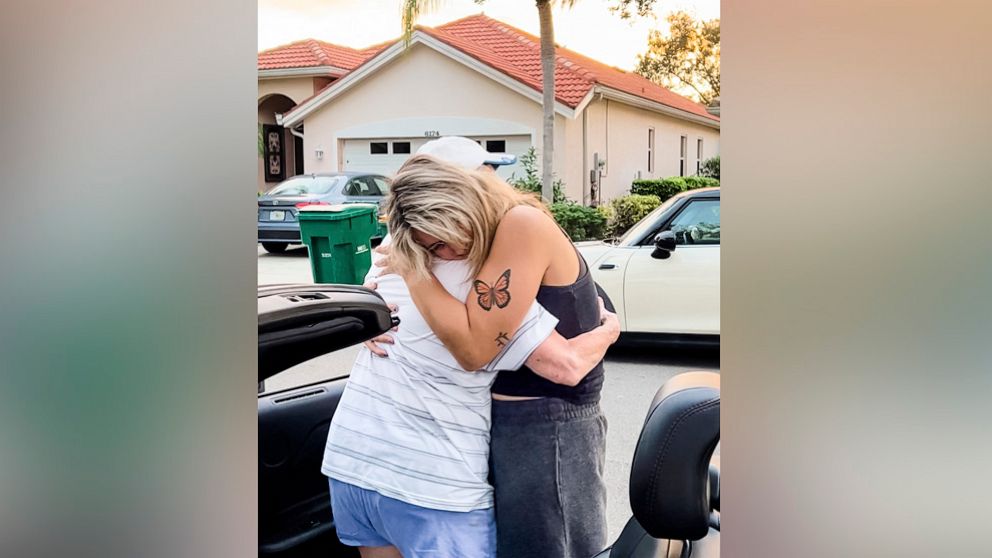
337,237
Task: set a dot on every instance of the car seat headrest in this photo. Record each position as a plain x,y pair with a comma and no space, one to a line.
669,477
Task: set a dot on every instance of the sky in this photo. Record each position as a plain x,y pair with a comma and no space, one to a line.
588,27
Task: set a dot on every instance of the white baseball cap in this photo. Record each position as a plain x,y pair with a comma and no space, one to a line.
464,152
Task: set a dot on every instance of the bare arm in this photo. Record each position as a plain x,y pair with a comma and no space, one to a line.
475,331
567,361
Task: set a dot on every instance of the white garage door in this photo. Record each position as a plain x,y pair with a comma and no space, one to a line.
386,155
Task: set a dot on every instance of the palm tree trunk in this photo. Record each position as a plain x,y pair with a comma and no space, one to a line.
548,103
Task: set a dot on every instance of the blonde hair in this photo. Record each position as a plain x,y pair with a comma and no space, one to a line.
457,206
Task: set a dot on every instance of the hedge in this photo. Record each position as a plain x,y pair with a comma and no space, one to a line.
694,182
665,188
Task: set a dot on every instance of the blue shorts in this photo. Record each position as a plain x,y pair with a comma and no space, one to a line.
366,518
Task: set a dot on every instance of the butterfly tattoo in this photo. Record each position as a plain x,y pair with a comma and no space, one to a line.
497,294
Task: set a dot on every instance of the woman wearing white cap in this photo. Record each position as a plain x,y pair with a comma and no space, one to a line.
547,452
407,450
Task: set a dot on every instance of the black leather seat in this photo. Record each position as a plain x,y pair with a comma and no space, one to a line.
676,514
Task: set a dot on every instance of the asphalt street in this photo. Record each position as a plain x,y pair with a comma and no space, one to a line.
633,376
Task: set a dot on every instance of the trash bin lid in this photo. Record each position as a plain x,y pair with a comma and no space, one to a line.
335,212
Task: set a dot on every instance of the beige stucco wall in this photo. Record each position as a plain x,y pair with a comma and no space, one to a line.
619,133
421,83
569,157
297,89
425,84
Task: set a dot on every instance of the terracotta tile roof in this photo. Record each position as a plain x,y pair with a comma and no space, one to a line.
514,52
310,53
518,54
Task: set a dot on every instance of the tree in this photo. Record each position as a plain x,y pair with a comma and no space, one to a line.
530,182
711,168
687,57
413,9
640,7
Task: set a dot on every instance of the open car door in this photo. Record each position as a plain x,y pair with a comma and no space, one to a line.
297,323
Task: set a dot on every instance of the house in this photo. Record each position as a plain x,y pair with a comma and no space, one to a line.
324,107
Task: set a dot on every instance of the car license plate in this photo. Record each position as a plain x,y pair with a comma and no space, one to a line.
277,216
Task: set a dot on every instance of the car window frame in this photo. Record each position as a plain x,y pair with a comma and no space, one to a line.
666,224
354,180
385,181
682,210
314,179
373,187
629,238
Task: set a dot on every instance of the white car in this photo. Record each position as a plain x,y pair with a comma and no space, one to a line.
663,275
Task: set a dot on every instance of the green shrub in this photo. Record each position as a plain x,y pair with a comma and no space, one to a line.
580,222
693,182
531,180
628,210
606,211
711,168
664,188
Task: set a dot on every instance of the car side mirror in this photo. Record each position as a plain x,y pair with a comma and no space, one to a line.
664,245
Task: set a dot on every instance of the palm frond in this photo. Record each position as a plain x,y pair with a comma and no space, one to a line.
411,11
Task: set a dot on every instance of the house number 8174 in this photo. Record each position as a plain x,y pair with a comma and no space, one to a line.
432,134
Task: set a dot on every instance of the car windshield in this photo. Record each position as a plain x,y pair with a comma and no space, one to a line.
646,224
307,186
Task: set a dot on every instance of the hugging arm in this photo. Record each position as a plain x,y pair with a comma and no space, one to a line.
567,361
551,356
475,331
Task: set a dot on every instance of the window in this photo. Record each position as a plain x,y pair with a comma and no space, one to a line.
650,150
683,151
307,186
698,223
361,187
496,146
373,186
401,147
699,155
378,148
382,183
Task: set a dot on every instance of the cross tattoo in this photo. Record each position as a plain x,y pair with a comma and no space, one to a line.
501,339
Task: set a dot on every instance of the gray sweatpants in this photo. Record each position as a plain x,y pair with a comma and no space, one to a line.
546,460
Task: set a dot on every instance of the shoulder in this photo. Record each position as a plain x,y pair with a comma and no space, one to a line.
525,219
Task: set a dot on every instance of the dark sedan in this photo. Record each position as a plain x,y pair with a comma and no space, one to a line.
278,226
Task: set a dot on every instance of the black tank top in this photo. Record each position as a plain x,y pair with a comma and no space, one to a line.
577,311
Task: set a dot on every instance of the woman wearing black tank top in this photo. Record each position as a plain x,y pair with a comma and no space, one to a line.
548,440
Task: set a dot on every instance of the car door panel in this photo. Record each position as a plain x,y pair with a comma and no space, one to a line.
680,294
293,501
296,323
608,272
300,322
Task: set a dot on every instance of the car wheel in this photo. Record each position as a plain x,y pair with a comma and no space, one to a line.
275,247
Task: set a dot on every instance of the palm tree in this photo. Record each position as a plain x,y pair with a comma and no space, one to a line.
548,88
413,9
